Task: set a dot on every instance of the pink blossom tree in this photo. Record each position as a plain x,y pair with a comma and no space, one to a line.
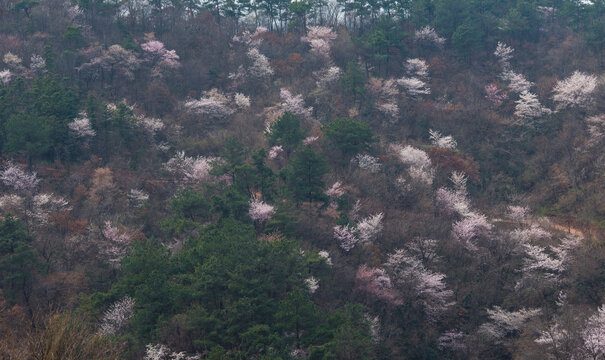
377,283
495,95
163,58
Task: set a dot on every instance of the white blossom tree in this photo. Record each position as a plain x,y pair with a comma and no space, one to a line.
593,335
260,211
517,83
6,76
117,243
367,162
370,228
259,67
295,104
319,37
117,317
429,287
81,127
440,141
13,176
528,106
503,323
212,103
471,228
575,91
504,53
428,35
190,168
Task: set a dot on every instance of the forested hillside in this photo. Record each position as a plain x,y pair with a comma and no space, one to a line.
236,179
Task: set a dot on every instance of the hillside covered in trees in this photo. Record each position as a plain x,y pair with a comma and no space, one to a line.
236,179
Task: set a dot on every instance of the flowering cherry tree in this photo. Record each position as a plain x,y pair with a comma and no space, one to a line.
326,256
414,86
5,76
242,101
596,131
503,323
117,243
575,91
517,83
81,126
259,67
471,228
37,64
335,190
212,103
275,151
420,168
162,352
137,197
327,76
494,94
367,162
310,140
386,93
593,334
415,83
295,104
319,37
42,205
440,141
312,284
192,169
504,53
428,35
528,106
164,59
369,228
346,237
117,317
13,61
430,288
518,213
13,176
260,211
376,282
